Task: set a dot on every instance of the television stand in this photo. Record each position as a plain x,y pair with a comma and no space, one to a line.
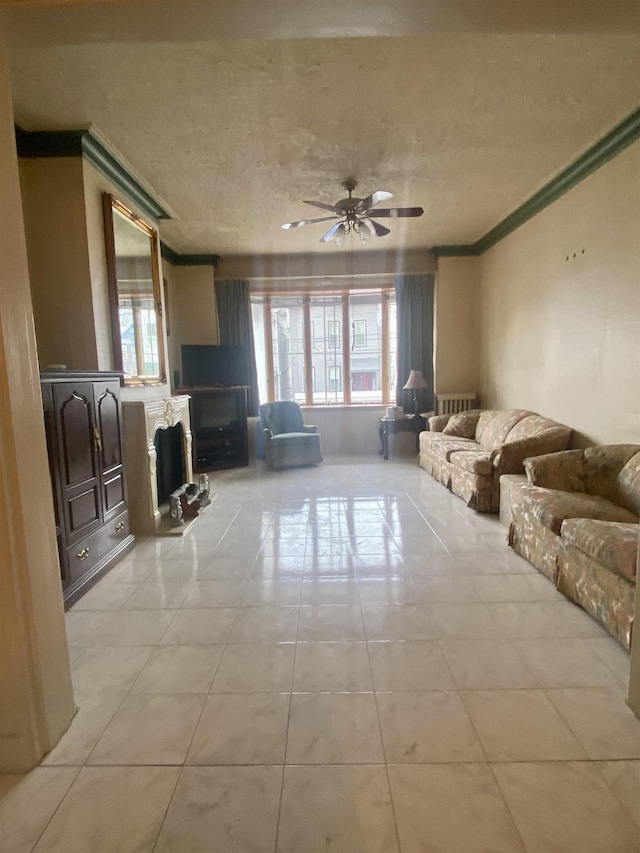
219,427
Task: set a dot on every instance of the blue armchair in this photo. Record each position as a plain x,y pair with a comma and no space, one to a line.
284,440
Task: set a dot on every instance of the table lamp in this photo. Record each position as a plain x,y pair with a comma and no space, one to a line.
415,382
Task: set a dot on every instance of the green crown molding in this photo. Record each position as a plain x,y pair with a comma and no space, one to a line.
187,260
454,251
82,143
622,135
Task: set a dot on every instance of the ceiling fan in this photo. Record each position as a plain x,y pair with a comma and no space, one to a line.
355,215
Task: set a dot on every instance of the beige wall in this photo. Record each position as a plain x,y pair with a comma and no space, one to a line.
634,680
53,199
67,261
36,698
562,337
456,325
193,318
326,265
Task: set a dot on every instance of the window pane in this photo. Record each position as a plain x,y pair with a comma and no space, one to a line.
128,337
393,349
148,338
359,333
326,316
365,309
140,352
257,315
287,332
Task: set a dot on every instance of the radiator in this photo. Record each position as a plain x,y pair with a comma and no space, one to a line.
451,404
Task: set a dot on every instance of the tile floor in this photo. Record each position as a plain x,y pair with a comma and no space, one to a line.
335,659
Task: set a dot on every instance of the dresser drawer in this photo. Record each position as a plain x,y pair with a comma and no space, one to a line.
90,552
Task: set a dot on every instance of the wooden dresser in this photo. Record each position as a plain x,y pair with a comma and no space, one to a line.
83,424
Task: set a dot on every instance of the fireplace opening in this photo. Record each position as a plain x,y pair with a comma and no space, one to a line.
170,468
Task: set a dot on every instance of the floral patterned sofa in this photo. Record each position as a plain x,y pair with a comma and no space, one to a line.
576,520
468,452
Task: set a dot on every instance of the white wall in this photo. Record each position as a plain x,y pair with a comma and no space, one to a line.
560,309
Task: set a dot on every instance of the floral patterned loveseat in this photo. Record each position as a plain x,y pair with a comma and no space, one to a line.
576,520
468,452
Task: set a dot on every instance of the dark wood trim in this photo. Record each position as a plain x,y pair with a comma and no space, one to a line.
84,584
454,251
82,143
187,260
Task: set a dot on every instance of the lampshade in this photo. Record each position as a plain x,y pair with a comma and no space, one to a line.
364,232
415,380
338,237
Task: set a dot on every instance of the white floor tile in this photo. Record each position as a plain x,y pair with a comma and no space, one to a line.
313,627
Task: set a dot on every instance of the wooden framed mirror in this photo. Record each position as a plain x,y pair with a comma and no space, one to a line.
134,290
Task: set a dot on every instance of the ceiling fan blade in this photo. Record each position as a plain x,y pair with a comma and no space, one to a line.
288,225
380,230
373,199
331,233
322,205
399,212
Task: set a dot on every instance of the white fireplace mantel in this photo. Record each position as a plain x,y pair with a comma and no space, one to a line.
141,420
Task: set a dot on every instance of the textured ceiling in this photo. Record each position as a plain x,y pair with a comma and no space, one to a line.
232,134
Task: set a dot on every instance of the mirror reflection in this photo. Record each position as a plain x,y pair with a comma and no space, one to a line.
132,255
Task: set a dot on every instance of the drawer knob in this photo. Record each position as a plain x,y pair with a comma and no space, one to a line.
82,555
120,526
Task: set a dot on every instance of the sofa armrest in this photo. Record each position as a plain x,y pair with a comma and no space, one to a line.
562,471
309,428
509,458
438,423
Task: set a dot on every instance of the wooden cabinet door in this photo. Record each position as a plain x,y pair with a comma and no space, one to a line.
109,438
77,457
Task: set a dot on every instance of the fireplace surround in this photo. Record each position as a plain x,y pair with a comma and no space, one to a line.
141,420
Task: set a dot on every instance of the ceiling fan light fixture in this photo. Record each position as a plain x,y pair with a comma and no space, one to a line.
364,232
355,214
338,237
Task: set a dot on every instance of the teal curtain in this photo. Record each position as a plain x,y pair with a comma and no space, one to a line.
236,328
414,311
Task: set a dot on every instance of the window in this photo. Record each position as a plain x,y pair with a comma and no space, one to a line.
334,378
299,350
359,333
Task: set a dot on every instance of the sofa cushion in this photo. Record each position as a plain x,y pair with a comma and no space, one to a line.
476,461
612,544
532,425
613,471
629,484
462,425
551,507
563,471
445,449
494,426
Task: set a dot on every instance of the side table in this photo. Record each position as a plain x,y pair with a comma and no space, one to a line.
405,423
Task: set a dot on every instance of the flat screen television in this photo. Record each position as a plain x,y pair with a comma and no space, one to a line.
205,365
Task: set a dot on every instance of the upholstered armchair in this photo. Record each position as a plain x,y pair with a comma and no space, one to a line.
284,440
